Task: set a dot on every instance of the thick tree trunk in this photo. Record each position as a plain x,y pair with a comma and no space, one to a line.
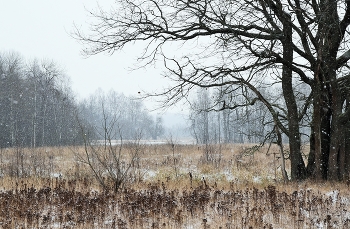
342,161
327,99
334,151
331,35
298,170
346,141
344,130
321,124
335,133
310,169
325,138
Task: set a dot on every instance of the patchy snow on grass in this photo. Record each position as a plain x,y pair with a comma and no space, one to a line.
56,175
333,195
229,176
257,179
149,174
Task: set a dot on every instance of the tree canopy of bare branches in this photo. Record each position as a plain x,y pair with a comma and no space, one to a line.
254,46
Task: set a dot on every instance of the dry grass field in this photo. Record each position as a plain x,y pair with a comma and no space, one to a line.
170,186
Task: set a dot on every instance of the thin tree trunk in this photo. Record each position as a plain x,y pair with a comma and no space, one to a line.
280,144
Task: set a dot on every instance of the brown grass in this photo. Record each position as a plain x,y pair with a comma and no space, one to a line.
179,187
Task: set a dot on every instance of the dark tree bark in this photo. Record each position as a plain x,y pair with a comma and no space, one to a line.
298,170
311,164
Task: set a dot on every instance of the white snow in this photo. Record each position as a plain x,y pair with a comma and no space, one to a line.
334,195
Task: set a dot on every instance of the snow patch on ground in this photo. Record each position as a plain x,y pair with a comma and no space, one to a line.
229,176
257,179
319,225
56,175
333,195
149,174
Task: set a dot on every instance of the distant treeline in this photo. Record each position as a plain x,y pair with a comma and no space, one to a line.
242,123
38,108
114,116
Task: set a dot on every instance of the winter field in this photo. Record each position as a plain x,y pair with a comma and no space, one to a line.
167,186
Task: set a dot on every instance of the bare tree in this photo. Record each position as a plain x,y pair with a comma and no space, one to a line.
112,163
250,45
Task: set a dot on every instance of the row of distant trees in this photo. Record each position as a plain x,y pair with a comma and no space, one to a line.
212,124
129,119
38,107
233,120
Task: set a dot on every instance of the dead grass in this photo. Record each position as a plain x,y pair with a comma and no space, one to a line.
180,187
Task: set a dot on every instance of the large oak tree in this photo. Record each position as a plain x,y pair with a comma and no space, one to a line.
250,45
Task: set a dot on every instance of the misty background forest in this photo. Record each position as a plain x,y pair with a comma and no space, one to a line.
40,109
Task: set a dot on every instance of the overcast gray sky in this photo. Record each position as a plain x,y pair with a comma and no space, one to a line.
42,29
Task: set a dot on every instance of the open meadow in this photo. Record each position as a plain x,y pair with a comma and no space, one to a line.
167,186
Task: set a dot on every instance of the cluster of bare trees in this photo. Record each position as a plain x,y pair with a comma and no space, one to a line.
37,106
213,122
253,46
210,124
128,116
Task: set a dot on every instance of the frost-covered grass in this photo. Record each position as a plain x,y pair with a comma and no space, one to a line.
181,187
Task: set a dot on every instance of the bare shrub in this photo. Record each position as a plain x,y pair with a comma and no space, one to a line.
174,159
111,162
211,154
28,162
111,165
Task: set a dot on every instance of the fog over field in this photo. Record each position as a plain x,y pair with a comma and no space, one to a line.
175,114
